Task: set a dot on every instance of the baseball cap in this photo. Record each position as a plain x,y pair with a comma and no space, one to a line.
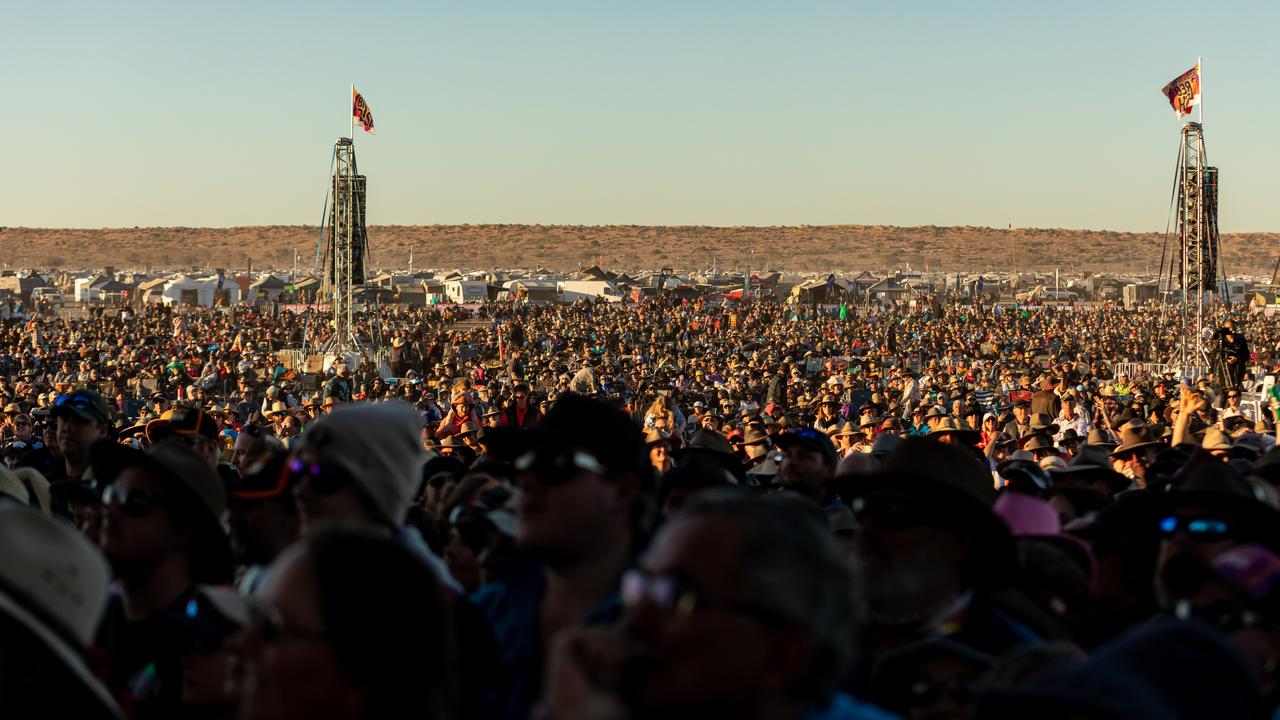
263,480
811,439
182,421
84,403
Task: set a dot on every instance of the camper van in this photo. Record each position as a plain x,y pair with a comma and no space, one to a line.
466,291
573,290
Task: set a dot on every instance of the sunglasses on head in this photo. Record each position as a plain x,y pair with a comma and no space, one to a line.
1201,530
134,502
321,478
557,466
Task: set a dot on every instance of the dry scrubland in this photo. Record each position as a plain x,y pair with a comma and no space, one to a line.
564,247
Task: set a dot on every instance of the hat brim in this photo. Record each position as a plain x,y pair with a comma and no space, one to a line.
109,459
995,557
69,657
1121,449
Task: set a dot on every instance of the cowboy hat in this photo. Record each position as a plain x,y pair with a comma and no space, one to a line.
1135,437
63,582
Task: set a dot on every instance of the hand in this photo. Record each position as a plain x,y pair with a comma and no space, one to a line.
1191,401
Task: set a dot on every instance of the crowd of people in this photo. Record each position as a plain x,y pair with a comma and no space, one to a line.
678,509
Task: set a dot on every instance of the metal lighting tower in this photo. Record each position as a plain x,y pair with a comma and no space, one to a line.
346,245
1195,270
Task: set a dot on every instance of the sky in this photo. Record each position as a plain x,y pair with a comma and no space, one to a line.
699,112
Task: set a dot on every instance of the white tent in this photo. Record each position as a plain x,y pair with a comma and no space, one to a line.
184,290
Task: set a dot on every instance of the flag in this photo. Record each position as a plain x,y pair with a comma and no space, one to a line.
360,112
1184,91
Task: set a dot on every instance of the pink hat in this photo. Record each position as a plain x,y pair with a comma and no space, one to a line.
1027,515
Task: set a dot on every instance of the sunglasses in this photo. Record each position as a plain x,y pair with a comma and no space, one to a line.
322,478
134,502
679,596
77,402
1201,530
555,467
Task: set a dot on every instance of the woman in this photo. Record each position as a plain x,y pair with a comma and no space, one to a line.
353,626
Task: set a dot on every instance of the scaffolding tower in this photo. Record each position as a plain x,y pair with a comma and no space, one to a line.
346,246
1195,269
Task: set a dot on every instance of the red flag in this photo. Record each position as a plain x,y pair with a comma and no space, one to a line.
1184,91
360,112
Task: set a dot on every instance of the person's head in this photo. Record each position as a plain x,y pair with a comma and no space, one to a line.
160,505
252,445
333,606
261,512
1136,452
1206,513
21,427
83,420
808,462
927,531
1020,411
359,465
739,602
191,426
581,480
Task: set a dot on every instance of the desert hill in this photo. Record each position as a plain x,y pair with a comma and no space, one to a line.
841,248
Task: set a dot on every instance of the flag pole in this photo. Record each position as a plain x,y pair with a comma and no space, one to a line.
351,113
1200,77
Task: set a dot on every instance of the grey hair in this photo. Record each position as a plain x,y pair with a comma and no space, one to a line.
792,565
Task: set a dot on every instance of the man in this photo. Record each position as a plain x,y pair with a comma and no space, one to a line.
1235,353
809,460
1071,419
1233,408
519,414
253,445
1135,454
935,556
1209,511
193,427
339,388
580,515
1045,400
1021,423
743,607
262,516
163,535
585,381
83,420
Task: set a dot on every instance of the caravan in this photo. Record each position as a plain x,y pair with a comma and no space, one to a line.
466,291
574,290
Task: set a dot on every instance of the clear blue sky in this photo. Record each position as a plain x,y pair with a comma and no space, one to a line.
655,112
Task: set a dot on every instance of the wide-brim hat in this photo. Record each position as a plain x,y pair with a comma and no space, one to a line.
1098,437
211,557
958,427
1135,437
1091,464
1042,423
952,477
1036,441
59,607
1207,482
181,421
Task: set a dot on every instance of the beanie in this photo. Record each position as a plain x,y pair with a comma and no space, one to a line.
379,446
